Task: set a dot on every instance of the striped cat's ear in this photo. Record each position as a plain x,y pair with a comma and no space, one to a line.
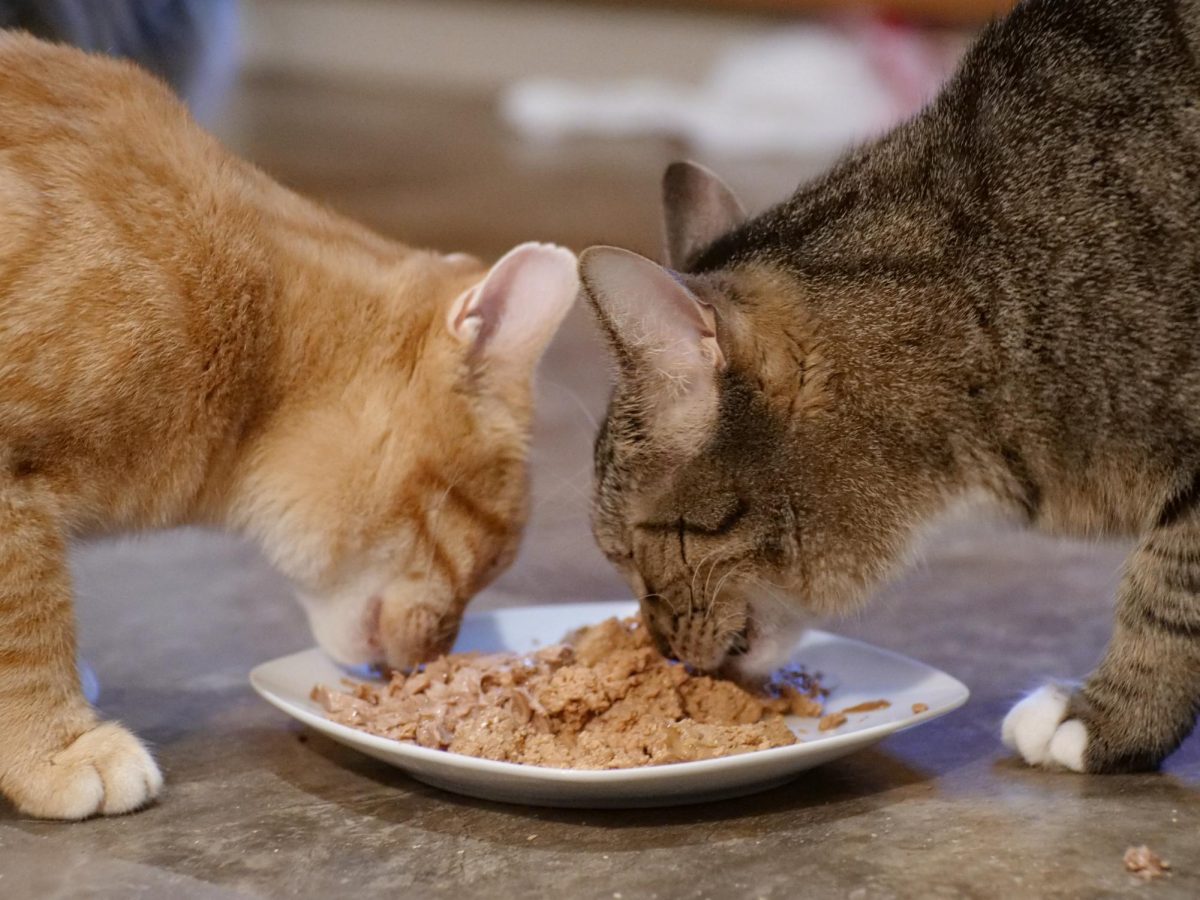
512,314
697,209
657,327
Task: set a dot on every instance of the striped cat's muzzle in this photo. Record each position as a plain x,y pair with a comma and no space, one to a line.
742,632
702,635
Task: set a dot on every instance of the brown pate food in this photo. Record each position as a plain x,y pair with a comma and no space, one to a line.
604,698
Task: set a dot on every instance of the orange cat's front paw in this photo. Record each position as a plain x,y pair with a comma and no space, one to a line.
105,771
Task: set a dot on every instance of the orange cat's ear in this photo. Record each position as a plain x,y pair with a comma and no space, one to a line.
661,333
697,209
513,312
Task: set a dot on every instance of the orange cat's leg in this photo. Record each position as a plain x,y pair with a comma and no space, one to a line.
57,760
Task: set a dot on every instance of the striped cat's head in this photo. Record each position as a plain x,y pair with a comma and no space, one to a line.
722,477
396,487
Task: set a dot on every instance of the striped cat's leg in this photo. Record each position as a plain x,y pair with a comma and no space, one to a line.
1142,700
57,760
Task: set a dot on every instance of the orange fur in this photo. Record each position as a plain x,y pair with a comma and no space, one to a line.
185,341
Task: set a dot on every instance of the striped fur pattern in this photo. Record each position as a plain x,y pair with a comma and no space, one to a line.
999,301
182,340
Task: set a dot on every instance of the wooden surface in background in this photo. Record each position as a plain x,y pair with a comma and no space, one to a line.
955,12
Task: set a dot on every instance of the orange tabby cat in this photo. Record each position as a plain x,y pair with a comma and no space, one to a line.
184,341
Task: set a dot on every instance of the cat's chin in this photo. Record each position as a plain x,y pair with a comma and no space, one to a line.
344,628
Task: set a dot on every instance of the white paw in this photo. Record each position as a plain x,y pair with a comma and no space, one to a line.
105,770
1035,729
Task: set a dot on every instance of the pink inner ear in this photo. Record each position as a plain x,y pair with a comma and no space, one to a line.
653,312
519,305
667,333
462,309
703,317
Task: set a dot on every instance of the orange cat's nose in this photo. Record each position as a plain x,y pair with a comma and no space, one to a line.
406,634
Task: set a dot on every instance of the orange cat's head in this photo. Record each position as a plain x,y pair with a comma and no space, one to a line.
393,485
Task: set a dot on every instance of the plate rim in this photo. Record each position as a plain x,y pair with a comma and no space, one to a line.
478,765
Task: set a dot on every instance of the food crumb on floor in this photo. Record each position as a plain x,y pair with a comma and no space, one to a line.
1145,863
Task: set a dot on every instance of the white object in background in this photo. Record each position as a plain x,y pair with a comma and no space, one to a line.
806,89
861,673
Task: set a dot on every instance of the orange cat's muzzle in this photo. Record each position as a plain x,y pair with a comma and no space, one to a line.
408,633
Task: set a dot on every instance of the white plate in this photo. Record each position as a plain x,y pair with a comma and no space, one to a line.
856,671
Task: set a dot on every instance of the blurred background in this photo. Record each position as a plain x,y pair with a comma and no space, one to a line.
477,124
473,125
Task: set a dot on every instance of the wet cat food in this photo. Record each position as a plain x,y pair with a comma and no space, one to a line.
602,699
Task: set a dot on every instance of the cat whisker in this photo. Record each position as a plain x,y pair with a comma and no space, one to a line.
695,573
721,582
435,514
708,577
583,408
565,481
705,596
725,624
771,588
772,593
762,579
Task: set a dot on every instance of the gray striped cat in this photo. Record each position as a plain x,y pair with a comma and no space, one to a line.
998,300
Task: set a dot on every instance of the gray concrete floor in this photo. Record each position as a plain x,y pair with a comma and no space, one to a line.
257,806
